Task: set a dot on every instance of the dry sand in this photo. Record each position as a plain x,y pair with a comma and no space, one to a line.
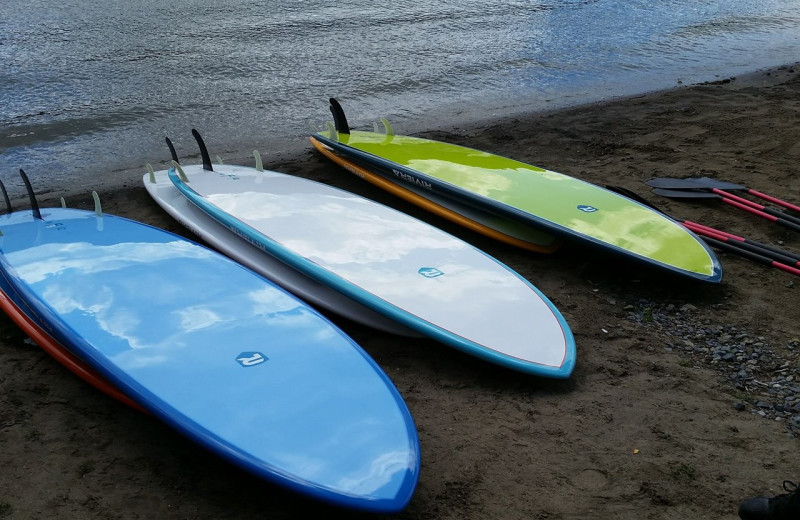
645,428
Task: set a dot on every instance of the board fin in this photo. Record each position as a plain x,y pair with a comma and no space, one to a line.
5,197
203,151
98,209
31,195
259,164
332,133
151,173
63,203
172,150
339,118
387,127
219,160
181,173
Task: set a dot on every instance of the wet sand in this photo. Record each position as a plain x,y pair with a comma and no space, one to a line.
646,428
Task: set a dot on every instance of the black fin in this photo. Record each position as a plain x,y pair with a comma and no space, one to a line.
339,119
203,151
172,150
5,196
31,195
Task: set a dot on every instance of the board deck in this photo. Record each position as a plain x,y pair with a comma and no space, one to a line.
414,273
552,201
232,361
13,308
216,235
493,226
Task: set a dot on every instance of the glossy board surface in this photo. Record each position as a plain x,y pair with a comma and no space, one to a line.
415,273
557,202
215,234
224,356
494,226
19,313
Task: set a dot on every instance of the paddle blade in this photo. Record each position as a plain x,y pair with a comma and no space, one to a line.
692,183
685,194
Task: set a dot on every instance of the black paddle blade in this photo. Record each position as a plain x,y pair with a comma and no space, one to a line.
685,194
31,195
203,151
339,119
172,150
5,197
692,183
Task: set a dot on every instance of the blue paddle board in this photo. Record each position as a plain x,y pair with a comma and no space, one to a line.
232,361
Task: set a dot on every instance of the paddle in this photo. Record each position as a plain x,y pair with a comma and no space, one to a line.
717,193
755,251
720,243
707,183
785,256
783,219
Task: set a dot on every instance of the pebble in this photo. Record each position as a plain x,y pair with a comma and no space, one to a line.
747,361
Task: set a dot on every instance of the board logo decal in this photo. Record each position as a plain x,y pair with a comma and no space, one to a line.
56,226
251,359
430,272
587,209
413,180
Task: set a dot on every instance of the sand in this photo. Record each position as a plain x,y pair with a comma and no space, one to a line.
646,427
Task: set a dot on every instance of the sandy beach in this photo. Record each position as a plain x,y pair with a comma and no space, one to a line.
655,423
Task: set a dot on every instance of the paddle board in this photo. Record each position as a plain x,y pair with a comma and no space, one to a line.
424,278
232,361
494,226
14,309
216,235
553,201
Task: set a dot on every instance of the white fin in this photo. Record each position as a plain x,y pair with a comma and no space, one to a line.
152,173
259,164
387,126
332,133
181,173
98,209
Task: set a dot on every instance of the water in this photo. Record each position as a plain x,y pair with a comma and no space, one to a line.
90,88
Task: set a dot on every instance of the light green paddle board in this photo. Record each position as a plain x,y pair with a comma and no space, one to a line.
546,199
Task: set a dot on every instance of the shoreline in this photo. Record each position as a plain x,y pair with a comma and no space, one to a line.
295,150
681,403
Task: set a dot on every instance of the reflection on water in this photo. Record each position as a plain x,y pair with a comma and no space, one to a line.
90,86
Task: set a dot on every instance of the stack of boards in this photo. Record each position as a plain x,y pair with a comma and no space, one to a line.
230,357
382,260
427,172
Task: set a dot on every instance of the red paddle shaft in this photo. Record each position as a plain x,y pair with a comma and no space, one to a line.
774,200
759,207
718,239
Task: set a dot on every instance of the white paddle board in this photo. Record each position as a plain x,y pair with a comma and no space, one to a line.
406,269
216,235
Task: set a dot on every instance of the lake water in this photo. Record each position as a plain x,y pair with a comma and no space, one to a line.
90,88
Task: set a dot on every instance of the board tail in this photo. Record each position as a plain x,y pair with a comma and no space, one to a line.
339,118
31,195
203,151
